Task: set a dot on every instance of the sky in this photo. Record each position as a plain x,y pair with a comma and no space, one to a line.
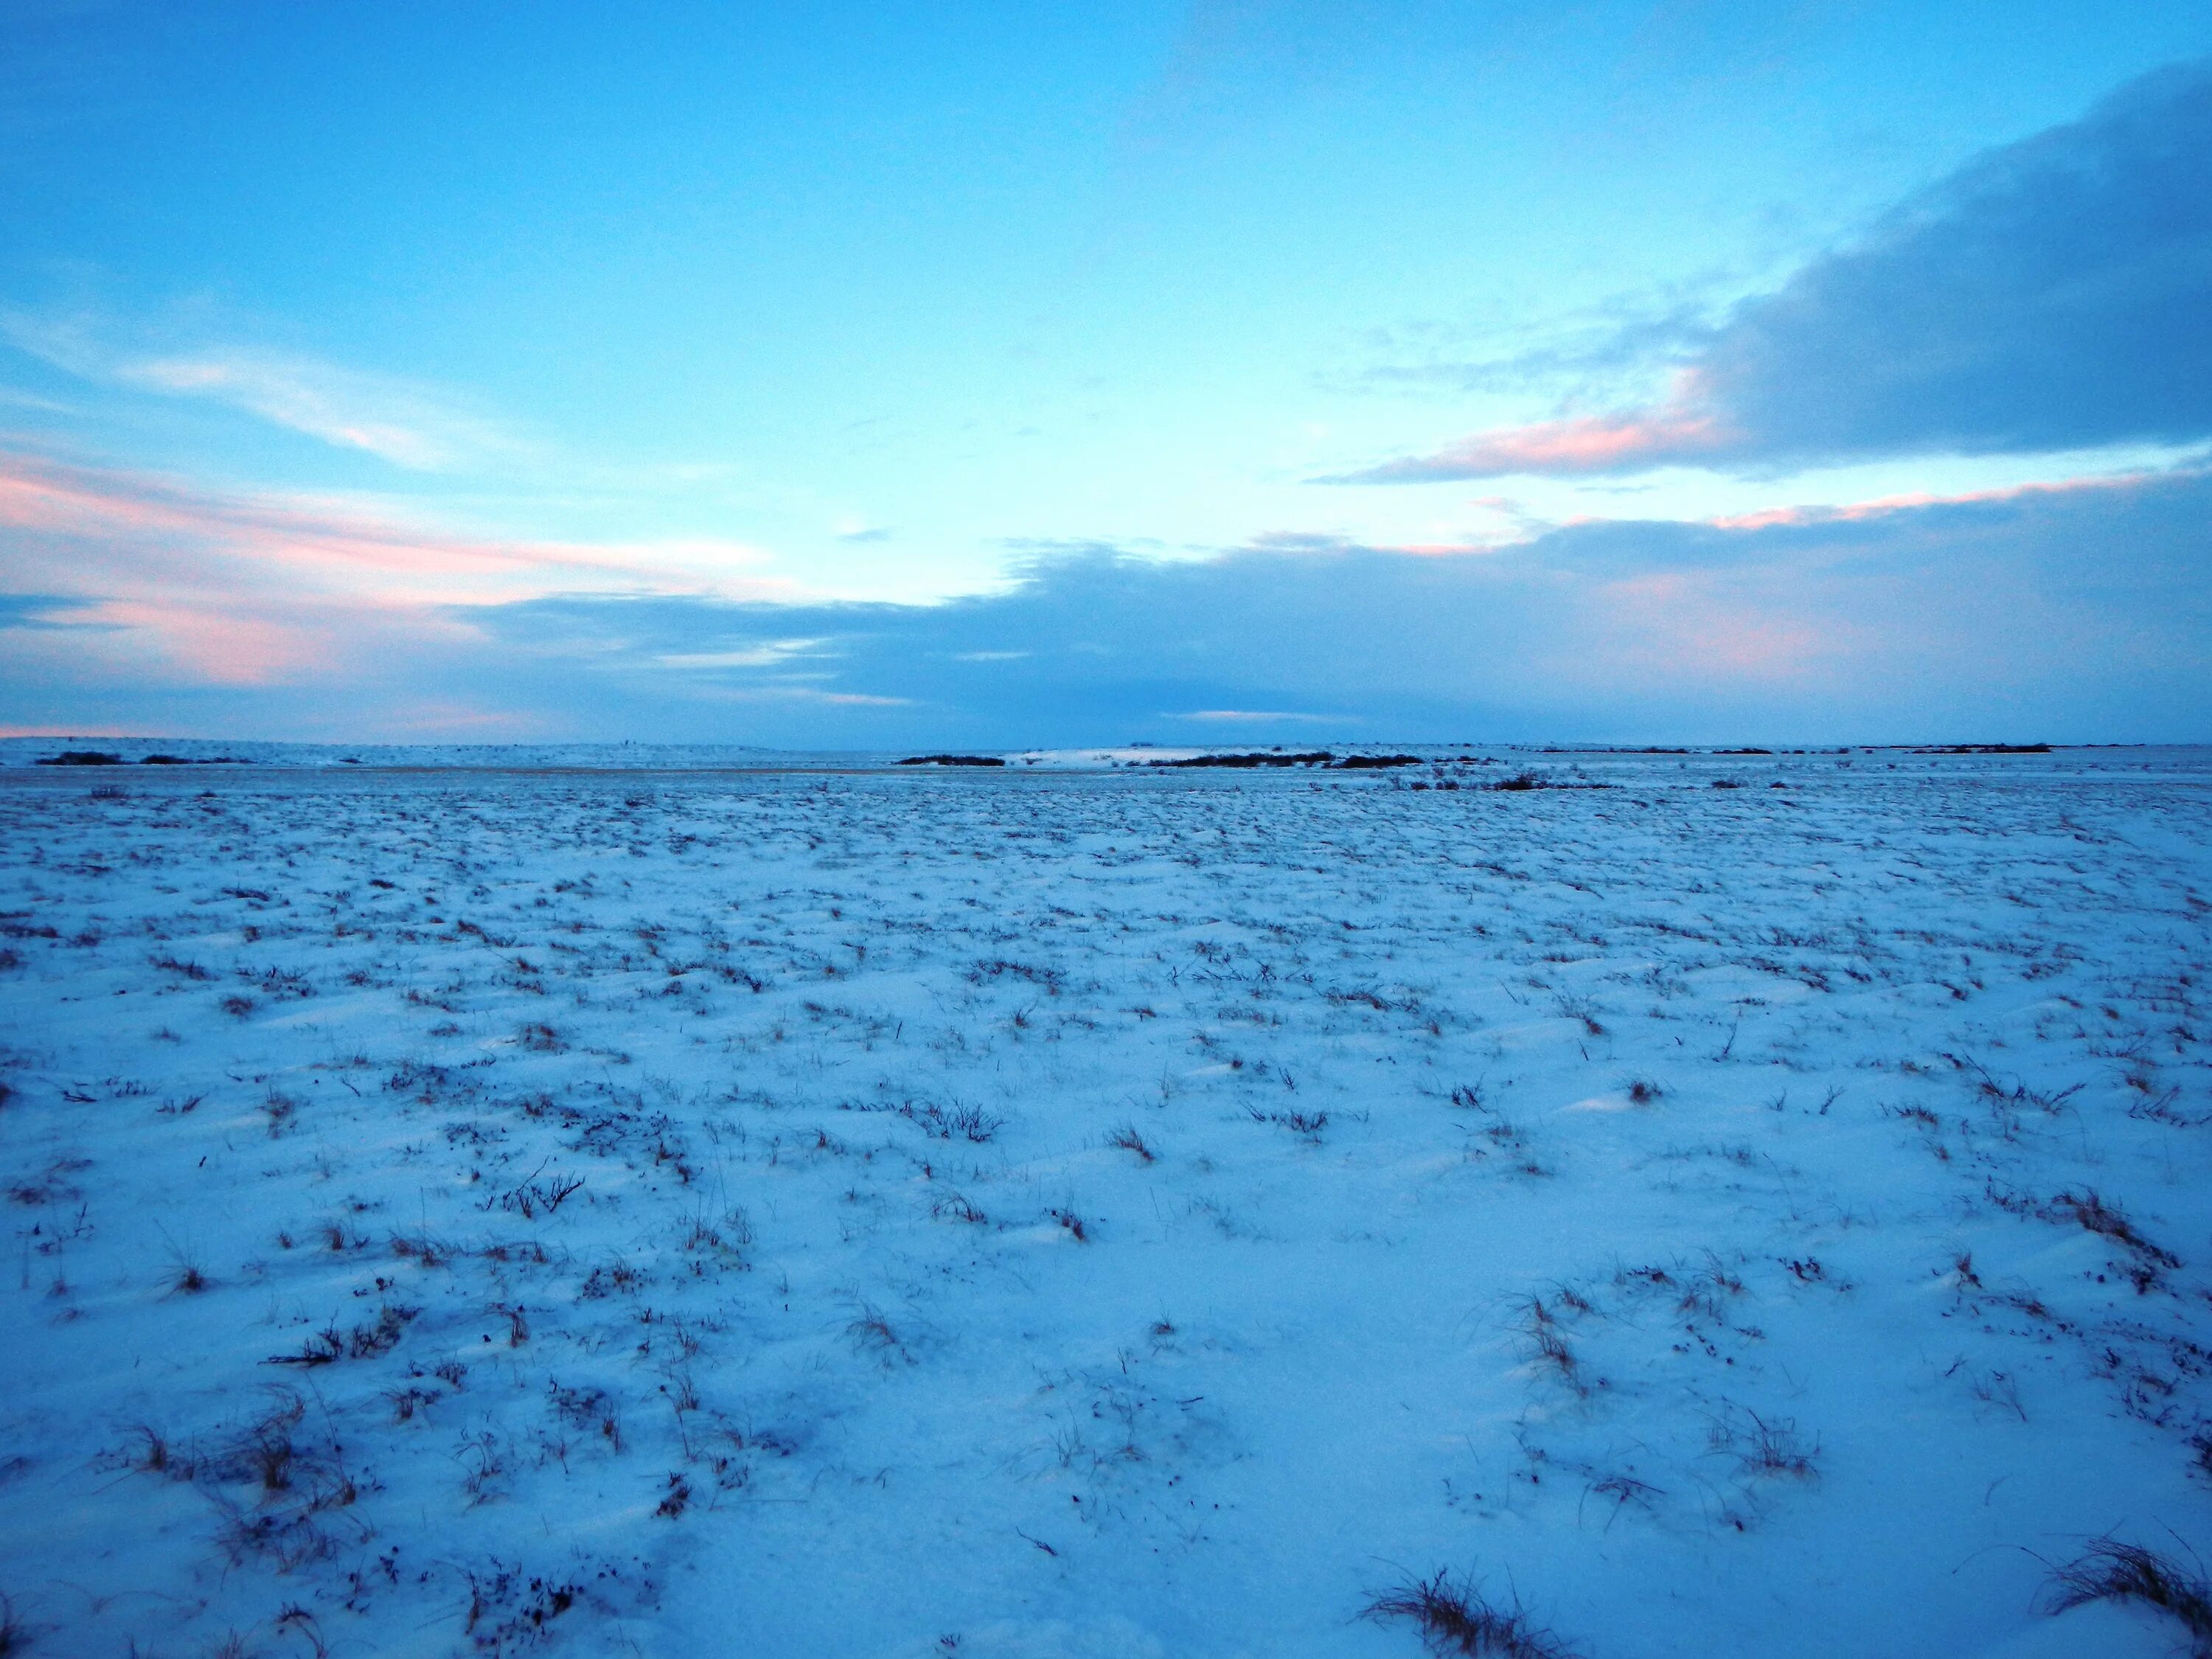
1228,371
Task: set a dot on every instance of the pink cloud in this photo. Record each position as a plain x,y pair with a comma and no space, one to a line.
314,534
253,589
222,646
50,730
1857,512
234,589
1678,430
1263,715
1710,634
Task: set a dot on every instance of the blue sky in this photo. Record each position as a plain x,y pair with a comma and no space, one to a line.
1044,374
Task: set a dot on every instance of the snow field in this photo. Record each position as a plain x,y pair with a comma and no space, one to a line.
1051,1213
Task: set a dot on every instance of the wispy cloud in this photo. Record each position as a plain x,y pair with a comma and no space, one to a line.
1589,351
2049,295
406,422
257,587
771,655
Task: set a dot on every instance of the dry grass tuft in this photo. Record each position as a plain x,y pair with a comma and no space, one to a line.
1455,1618
2110,1570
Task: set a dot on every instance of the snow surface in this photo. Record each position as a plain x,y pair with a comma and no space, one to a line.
1062,1211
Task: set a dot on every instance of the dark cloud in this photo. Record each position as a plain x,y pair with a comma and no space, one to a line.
2052,295
2067,612
2072,613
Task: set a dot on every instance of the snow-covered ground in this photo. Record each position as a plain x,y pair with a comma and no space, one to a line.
1049,1211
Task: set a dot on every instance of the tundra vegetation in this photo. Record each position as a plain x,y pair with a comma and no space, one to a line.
1295,1209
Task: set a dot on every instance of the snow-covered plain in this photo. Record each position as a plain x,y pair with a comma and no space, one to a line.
1048,1212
